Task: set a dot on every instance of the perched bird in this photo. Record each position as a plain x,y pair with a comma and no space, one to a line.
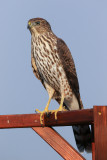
53,65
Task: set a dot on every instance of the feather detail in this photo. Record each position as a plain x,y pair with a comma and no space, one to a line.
69,68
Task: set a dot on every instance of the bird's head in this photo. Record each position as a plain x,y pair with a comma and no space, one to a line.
38,26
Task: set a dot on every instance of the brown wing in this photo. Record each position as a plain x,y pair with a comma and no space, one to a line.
69,68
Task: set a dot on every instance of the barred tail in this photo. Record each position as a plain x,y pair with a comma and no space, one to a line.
82,136
82,133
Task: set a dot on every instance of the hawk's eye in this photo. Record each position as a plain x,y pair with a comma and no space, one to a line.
37,23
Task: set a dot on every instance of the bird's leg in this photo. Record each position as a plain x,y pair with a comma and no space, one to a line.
47,106
60,107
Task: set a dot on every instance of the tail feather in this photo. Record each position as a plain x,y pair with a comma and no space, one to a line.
82,136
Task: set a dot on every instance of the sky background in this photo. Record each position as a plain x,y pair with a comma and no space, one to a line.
83,26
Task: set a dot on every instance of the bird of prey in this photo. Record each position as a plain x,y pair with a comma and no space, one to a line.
53,65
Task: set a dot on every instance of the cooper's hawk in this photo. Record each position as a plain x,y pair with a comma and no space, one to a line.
53,65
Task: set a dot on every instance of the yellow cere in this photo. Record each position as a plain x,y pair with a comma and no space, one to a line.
29,23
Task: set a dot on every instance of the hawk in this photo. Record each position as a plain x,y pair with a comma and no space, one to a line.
53,65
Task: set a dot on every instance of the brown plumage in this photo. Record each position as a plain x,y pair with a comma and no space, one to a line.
53,65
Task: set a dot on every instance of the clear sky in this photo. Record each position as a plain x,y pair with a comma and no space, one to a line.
83,26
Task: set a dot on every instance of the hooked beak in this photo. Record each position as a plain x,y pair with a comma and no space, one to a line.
29,25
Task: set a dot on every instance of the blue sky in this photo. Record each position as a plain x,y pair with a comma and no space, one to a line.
83,26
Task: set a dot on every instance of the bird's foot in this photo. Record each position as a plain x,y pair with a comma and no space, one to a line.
41,114
61,108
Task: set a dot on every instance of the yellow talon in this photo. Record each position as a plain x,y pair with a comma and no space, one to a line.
41,115
61,108
45,111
